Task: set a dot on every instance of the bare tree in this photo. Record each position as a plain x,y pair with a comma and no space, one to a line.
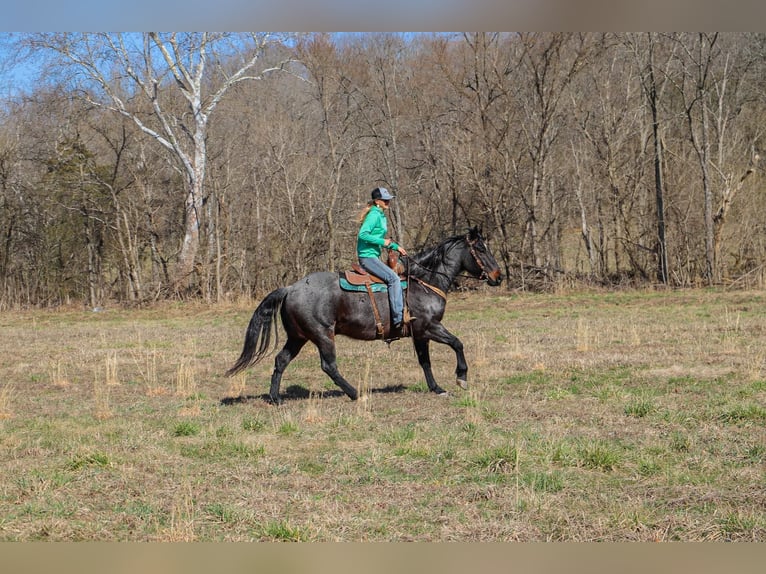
609,158
578,152
654,76
334,99
711,90
548,65
135,76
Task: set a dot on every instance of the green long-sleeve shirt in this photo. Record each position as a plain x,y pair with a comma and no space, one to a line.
372,234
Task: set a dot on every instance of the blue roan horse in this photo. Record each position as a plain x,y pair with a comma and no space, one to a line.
316,309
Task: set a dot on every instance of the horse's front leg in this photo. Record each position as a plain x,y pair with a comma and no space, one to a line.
440,334
424,358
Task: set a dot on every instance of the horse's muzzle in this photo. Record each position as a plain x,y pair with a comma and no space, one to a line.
494,278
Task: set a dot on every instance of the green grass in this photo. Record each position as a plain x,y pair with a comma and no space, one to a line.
252,424
186,428
639,408
744,414
281,531
543,482
96,460
498,459
599,456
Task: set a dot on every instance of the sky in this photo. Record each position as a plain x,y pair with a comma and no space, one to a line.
378,15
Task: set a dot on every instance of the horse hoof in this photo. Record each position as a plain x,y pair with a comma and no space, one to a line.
463,384
442,394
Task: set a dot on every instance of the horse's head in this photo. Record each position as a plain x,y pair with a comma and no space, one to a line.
481,263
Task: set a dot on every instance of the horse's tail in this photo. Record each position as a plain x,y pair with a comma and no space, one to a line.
258,335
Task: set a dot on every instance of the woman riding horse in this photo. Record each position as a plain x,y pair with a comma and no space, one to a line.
316,309
369,243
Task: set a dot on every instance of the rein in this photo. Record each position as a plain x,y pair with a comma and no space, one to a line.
433,288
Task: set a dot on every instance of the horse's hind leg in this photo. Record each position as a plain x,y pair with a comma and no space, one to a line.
291,349
330,366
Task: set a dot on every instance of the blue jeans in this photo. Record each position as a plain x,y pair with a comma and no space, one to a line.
376,267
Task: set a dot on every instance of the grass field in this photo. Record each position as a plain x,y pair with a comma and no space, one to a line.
599,416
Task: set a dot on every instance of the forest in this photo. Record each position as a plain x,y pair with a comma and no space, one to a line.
149,166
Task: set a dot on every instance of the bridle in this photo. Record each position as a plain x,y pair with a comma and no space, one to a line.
484,276
471,244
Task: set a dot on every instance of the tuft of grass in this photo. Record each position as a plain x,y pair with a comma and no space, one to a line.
399,437
680,442
110,370
253,424
744,413
186,382
497,460
639,408
283,531
102,409
96,459
536,377
186,428
58,375
738,525
467,401
599,455
648,467
222,513
544,482
288,428
146,364
220,450
756,454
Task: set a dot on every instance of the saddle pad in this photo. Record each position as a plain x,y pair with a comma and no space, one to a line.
376,287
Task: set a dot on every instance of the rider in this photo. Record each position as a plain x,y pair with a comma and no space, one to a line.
370,241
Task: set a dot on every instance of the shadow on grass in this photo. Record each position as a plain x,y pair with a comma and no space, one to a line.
298,392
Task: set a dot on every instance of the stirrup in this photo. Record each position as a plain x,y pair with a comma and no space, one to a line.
396,334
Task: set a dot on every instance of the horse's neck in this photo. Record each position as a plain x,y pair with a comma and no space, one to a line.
440,274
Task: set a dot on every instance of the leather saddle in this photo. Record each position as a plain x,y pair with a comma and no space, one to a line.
359,276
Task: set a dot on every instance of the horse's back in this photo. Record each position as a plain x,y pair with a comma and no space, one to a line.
317,302
314,290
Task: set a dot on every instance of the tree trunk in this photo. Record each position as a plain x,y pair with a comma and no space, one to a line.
659,196
659,184
190,245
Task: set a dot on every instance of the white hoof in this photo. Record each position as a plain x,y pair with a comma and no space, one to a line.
463,384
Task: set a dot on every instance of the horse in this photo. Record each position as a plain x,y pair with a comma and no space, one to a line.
316,309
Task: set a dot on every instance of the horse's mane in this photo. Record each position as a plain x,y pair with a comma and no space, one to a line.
431,259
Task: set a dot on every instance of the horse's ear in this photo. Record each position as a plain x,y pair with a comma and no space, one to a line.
474,233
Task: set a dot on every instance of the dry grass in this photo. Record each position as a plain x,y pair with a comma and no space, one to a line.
6,401
600,416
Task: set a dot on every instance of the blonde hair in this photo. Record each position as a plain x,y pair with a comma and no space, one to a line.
365,211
